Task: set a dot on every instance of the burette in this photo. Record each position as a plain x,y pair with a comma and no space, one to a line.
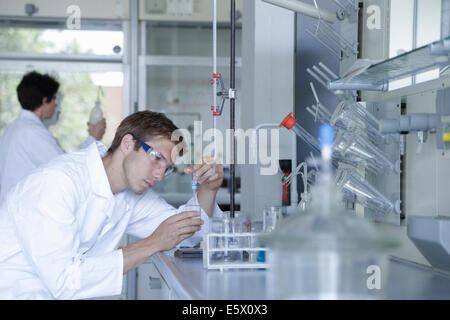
214,84
225,94
214,100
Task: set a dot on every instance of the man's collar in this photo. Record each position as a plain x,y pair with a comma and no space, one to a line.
27,114
97,173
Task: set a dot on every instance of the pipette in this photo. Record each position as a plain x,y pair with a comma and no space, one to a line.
194,186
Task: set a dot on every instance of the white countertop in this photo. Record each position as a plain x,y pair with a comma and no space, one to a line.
190,280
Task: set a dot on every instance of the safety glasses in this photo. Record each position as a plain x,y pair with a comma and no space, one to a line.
157,158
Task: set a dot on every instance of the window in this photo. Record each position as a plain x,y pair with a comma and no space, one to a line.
413,23
428,30
178,65
80,92
79,80
61,41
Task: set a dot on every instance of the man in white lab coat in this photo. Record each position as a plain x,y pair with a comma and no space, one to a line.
60,226
27,143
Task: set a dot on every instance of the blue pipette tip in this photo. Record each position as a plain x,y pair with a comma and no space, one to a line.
326,135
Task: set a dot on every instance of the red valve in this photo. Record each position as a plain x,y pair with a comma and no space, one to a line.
288,122
216,76
215,113
285,191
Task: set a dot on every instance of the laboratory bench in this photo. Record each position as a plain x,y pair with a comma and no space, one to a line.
165,276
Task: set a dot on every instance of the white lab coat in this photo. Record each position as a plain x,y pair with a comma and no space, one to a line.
87,142
25,145
61,225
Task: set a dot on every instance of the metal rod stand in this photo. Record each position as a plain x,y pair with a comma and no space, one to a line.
232,108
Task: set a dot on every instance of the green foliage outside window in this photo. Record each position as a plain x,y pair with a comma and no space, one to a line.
79,92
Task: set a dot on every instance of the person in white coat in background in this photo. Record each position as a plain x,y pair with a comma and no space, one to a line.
60,226
27,143
96,132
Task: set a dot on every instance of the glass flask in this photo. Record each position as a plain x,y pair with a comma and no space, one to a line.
290,123
327,252
353,117
354,185
359,149
347,151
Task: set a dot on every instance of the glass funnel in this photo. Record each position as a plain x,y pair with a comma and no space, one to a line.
327,252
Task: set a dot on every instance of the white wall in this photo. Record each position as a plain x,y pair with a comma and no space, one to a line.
191,11
268,92
104,9
426,174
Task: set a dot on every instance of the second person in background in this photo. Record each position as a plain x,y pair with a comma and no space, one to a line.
27,143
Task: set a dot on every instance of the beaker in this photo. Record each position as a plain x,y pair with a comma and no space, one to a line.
271,216
318,255
191,207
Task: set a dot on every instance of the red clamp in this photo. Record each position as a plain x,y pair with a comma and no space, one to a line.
288,122
216,113
212,81
216,76
212,108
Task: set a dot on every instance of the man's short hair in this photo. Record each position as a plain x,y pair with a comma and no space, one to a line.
144,125
34,87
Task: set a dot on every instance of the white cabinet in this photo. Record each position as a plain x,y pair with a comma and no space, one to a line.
151,285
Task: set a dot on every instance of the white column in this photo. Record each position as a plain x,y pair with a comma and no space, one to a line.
267,95
445,16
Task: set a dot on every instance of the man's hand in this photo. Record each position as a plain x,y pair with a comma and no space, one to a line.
97,130
170,232
205,173
209,181
175,229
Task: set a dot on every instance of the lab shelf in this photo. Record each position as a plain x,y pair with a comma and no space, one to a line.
377,76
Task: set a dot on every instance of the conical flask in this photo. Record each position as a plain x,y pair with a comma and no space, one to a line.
354,117
351,182
359,149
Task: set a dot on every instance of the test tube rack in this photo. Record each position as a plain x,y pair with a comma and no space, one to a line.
210,249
